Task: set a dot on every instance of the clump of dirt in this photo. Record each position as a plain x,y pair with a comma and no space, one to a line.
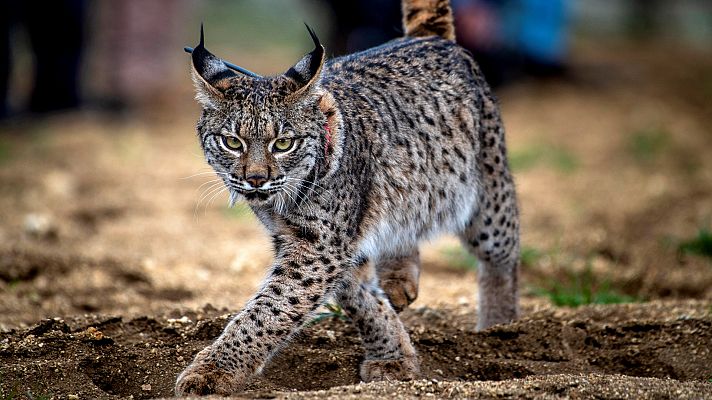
606,350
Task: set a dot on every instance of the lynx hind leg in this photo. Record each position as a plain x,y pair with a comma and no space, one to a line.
492,234
493,237
389,354
398,277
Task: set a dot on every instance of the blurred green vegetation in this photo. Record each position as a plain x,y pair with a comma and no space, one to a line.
572,288
460,258
333,311
241,212
530,256
647,144
699,245
577,288
5,151
549,155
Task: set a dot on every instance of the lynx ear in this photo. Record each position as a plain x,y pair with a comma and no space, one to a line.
305,74
210,74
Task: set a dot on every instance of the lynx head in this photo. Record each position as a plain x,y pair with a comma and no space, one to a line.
268,138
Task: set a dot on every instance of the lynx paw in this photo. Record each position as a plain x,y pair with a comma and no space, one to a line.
203,377
402,369
400,292
399,280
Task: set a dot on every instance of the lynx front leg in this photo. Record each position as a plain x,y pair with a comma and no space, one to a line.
389,353
398,276
297,285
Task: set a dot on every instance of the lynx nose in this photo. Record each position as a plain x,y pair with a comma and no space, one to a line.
256,180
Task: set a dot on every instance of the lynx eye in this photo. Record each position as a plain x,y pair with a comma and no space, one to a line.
282,145
232,143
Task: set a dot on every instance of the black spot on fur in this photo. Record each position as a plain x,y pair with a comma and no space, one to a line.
307,234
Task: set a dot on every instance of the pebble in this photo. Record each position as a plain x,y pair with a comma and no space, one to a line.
40,226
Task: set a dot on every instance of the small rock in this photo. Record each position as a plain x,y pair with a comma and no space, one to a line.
146,387
40,226
181,320
95,336
94,333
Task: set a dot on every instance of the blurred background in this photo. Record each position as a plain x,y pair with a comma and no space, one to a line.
107,206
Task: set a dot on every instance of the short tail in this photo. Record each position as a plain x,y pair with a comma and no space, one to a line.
423,18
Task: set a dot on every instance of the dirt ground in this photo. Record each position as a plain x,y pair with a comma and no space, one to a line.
119,260
565,353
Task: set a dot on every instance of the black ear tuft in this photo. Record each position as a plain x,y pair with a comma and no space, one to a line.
306,71
210,68
313,36
227,64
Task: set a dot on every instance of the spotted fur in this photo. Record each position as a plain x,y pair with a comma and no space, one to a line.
391,146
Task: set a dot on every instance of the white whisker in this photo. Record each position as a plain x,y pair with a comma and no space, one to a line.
311,188
279,203
206,173
210,190
206,191
209,202
212,181
303,200
286,191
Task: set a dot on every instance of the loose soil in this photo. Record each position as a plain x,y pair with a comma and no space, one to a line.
118,260
553,352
